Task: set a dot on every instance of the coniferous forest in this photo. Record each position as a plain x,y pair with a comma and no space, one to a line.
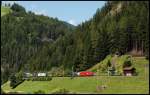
31,42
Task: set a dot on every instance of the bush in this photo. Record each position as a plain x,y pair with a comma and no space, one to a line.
62,91
127,63
48,78
13,81
13,93
39,92
16,84
27,79
135,73
19,75
108,63
147,57
2,92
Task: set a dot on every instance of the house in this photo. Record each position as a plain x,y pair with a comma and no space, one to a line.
129,71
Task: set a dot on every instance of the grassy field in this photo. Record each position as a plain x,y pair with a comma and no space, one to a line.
5,10
114,84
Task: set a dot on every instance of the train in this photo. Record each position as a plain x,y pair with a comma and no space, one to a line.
84,73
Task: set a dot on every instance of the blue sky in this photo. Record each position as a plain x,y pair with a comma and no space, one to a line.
73,12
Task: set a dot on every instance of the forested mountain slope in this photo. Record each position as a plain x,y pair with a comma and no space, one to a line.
26,38
118,26
32,42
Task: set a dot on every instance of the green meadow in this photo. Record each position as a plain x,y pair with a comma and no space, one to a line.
113,84
5,10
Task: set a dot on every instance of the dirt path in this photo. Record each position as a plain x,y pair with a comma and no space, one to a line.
113,62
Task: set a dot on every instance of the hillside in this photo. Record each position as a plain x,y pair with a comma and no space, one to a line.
5,10
116,84
26,39
38,43
103,65
118,26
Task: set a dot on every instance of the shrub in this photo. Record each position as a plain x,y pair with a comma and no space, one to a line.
48,78
147,57
13,93
13,81
62,91
16,79
108,63
127,63
135,73
39,92
2,92
19,75
28,79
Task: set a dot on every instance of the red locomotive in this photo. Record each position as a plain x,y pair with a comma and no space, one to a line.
85,73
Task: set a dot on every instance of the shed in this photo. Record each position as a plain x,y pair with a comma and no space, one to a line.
129,71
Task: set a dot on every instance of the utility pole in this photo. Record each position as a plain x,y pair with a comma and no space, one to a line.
97,76
142,48
72,73
63,71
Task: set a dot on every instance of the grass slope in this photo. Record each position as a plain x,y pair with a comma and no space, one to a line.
102,66
97,66
5,10
115,84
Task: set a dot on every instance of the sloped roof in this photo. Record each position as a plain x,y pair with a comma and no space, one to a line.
128,68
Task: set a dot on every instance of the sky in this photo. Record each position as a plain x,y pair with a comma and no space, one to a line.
73,12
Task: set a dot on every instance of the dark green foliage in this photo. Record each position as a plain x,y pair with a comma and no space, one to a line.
147,57
17,8
27,39
20,76
41,78
39,92
127,63
62,91
135,73
2,92
12,80
15,81
108,63
13,93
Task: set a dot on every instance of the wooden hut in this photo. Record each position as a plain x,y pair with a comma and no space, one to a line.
129,71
